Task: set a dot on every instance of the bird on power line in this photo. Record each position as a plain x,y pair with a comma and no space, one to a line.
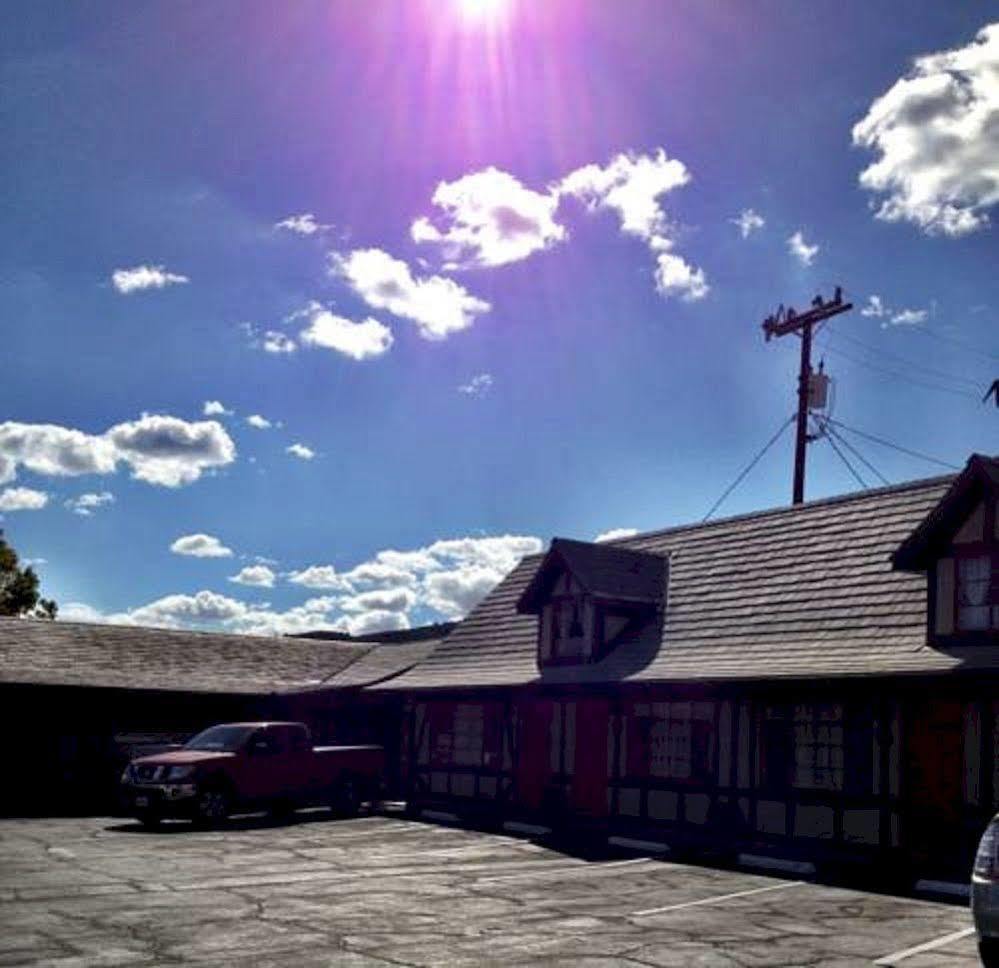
993,391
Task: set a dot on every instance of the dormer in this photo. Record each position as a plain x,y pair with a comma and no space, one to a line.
957,546
588,596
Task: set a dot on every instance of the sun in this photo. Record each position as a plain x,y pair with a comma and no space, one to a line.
481,10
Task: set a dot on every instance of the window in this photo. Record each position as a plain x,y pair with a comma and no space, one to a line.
676,740
468,734
818,746
977,610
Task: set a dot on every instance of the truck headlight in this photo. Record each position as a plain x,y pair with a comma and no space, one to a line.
126,777
175,773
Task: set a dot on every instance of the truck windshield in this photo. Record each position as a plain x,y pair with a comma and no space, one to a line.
226,739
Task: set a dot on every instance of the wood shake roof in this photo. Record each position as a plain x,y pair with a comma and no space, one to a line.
803,591
125,657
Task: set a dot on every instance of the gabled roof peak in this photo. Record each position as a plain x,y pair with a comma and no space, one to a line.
608,572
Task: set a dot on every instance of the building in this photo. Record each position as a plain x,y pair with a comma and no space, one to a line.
818,680
77,700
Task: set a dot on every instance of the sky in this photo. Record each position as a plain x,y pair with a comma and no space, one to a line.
321,315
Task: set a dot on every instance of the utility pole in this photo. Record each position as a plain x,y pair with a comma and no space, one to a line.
786,321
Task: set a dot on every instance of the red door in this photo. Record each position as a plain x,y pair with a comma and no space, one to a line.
534,762
589,781
934,774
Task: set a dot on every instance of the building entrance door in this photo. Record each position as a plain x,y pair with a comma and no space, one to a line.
588,789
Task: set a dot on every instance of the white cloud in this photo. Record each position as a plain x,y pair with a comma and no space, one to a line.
169,451
937,140
490,219
79,612
632,186
304,224
159,449
300,451
86,504
749,221
478,386
200,546
259,422
370,623
22,499
205,607
875,307
320,578
360,341
615,533
381,600
145,277
215,408
909,317
260,576
439,306
276,342
800,249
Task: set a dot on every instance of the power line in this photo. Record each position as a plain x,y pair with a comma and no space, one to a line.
967,347
909,363
856,453
901,376
849,466
773,440
893,446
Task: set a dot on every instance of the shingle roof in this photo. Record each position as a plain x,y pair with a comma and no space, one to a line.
381,663
112,656
606,571
801,591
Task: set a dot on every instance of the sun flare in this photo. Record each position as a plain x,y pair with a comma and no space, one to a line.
481,10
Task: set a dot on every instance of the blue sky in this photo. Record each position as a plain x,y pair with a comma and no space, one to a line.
489,272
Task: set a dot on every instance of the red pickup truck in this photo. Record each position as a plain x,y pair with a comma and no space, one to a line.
251,766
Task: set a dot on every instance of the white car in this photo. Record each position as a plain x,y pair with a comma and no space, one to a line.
985,895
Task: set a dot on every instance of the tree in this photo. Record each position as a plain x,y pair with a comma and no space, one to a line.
19,587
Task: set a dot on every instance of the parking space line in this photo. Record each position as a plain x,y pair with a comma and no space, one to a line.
894,959
717,898
579,867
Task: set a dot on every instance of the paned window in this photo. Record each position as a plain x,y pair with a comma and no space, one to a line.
975,611
818,746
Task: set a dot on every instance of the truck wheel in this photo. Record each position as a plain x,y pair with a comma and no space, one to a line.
212,808
148,819
346,801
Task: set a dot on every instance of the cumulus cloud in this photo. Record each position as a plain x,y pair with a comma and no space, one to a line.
86,504
145,277
304,224
359,340
800,249
877,309
489,218
259,422
371,623
205,607
909,317
79,612
215,408
300,451
260,576
200,546
276,342
437,305
22,499
159,449
448,577
748,221
632,186
615,533
937,139
478,386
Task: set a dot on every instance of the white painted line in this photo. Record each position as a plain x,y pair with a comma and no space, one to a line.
440,815
894,959
765,863
516,827
717,899
953,888
580,867
649,846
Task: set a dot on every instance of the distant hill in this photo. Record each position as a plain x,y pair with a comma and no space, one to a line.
439,630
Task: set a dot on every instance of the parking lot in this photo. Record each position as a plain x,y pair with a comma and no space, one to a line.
379,890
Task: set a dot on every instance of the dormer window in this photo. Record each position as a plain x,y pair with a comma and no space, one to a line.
957,545
589,597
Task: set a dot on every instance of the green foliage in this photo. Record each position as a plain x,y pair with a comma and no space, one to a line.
19,587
